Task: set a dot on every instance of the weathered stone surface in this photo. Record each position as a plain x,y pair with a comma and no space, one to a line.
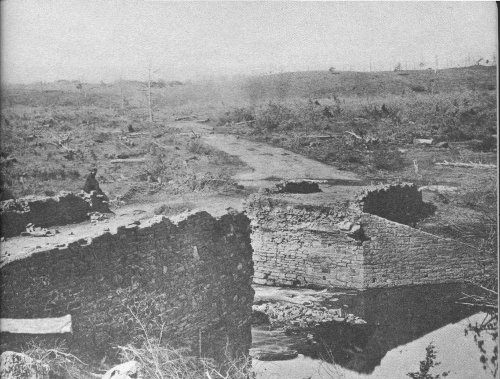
190,276
16,366
65,208
363,242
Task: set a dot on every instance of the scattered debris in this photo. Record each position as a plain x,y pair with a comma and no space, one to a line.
36,231
96,217
273,355
308,314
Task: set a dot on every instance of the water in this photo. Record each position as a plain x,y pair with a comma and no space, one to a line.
400,325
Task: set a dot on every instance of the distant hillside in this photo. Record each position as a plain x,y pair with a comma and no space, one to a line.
206,96
318,84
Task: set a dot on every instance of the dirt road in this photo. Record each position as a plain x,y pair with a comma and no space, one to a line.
267,163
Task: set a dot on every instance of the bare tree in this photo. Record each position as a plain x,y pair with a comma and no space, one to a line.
149,94
121,94
150,109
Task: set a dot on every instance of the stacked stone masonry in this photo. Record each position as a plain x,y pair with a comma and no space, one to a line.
62,209
340,245
193,276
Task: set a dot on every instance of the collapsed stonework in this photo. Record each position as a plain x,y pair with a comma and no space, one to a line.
332,240
62,209
400,203
188,277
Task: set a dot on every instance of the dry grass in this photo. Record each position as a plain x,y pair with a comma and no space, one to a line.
62,364
161,361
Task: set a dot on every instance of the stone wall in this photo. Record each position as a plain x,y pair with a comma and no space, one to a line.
62,209
191,275
398,254
298,242
305,245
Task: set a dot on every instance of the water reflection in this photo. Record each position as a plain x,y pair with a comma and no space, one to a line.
400,322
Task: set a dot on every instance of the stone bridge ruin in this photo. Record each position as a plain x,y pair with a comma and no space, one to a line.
354,239
187,277
190,276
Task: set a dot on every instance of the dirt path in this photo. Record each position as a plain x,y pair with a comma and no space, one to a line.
267,163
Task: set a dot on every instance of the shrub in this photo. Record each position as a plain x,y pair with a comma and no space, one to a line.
418,88
273,115
387,158
237,115
198,147
427,364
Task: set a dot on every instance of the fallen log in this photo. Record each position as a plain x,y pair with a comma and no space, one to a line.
353,134
135,160
184,118
320,137
423,141
245,122
468,165
161,146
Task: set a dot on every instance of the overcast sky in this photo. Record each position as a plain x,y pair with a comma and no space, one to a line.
105,40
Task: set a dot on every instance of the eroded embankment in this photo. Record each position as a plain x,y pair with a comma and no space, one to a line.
188,278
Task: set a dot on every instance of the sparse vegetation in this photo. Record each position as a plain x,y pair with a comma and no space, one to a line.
51,148
62,364
427,364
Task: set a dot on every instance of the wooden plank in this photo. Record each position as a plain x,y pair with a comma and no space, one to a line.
58,325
